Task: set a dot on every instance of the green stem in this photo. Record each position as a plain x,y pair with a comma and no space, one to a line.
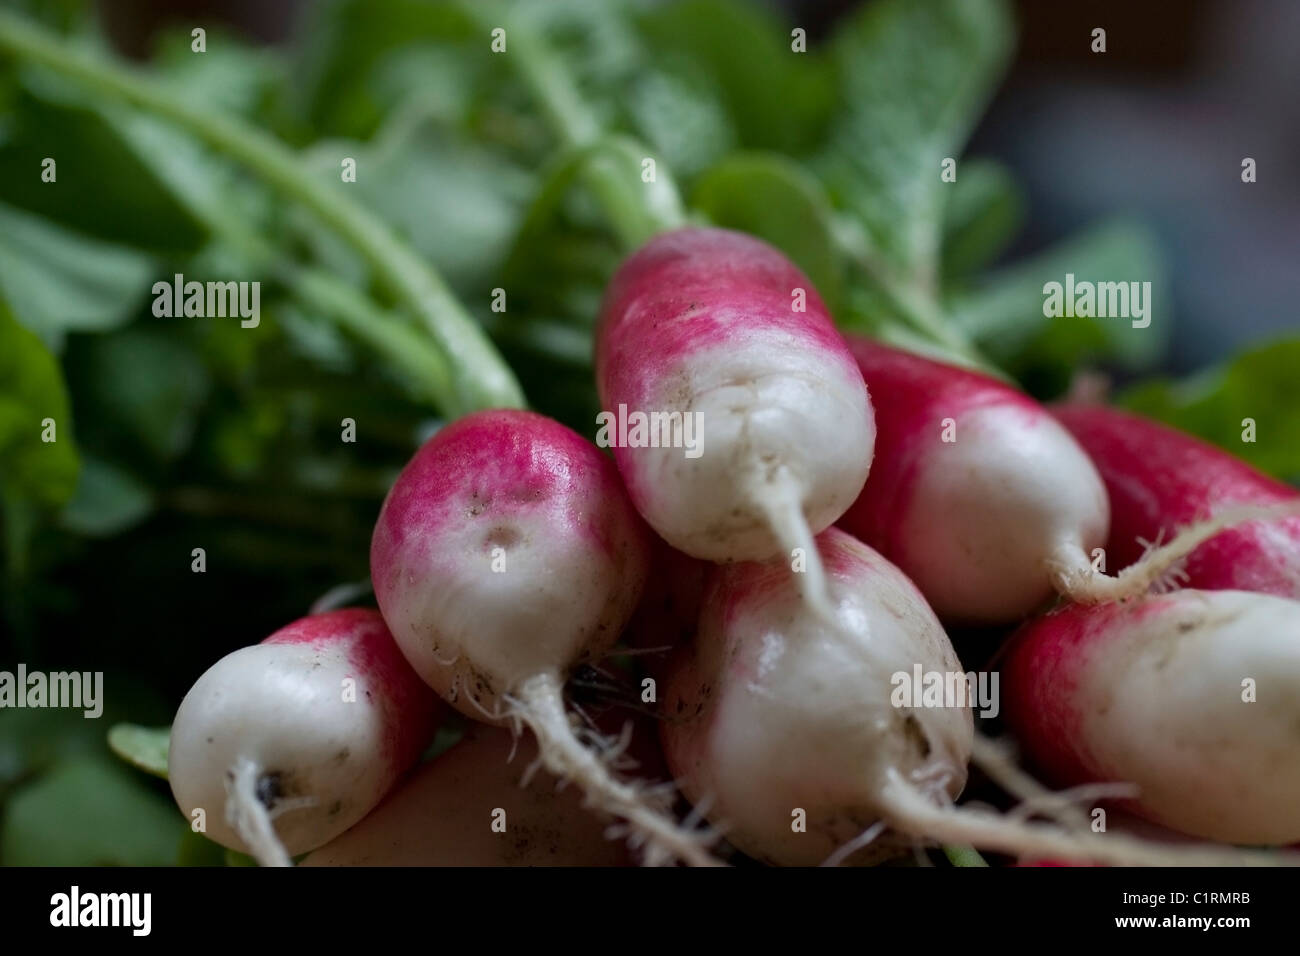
637,210
964,856
417,360
924,317
421,366
482,380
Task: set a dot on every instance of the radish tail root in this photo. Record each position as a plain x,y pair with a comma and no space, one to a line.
995,759
779,500
249,817
908,810
1074,577
865,838
539,704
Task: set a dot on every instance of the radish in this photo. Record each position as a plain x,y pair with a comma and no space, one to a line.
505,556
669,610
1158,478
772,718
719,328
300,736
467,808
1154,692
986,501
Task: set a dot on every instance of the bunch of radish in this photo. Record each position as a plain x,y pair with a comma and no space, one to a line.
778,583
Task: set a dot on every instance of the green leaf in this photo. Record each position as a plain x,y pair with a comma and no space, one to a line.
108,500
347,50
31,391
147,386
985,208
230,76
1260,384
190,189
479,196
773,198
914,76
35,740
58,281
90,812
104,188
552,257
198,850
776,98
682,117
1004,314
144,748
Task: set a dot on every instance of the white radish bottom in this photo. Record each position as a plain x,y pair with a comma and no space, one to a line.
974,521
280,747
779,725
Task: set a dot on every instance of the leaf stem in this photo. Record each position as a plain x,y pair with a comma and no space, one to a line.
911,302
964,856
481,377
637,210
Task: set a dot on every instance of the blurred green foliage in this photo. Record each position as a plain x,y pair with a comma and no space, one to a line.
177,434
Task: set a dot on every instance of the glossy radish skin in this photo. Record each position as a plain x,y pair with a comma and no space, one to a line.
977,521
1150,692
1159,479
328,712
544,504
702,321
770,710
507,555
443,816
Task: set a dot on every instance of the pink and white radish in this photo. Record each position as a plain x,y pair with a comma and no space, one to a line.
286,744
770,711
772,717
976,490
1159,479
467,807
721,326
985,500
506,555
1193,696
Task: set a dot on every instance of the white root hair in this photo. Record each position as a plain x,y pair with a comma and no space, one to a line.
1073,576
249,817
909,810
539,704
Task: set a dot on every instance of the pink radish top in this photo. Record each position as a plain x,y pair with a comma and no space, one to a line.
1159,480
409,707
1043,665
692,291
912,396
500,465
